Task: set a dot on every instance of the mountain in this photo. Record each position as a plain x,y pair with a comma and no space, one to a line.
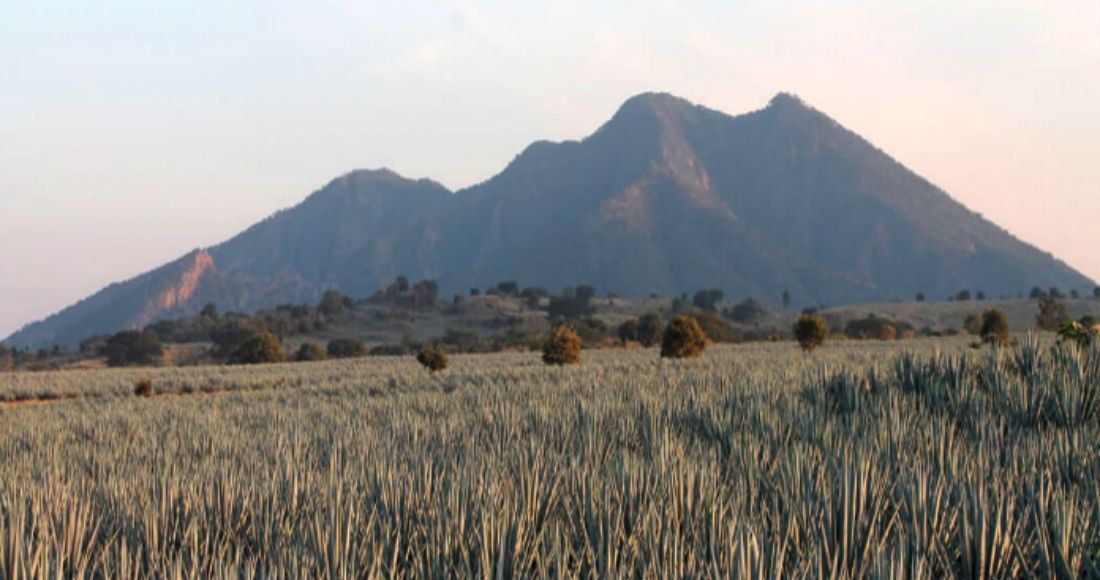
666,197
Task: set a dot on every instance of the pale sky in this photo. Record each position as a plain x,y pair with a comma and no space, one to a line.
133,132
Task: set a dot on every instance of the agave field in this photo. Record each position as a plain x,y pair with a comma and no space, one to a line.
915,459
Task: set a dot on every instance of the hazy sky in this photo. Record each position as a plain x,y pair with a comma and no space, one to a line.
133,132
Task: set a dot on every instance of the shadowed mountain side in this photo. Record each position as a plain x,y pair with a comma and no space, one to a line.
666,197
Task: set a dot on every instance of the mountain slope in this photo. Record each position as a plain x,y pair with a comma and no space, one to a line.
665,197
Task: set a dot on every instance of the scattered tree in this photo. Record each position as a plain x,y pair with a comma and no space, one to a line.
628,331
980,295
872,327
593,331
230,334
133,347
425,294
1074,294
345,348
563,347
786,299
811,331
747,312
572,303
995,328
707,299
920,296
715,328
1055,293
508,288
93,346
1052,313
533,296
973,324
1037,293
333,303
310,351
433,358
683,339
260,349
963,295
650,329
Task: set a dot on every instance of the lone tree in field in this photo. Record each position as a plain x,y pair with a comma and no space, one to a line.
260,349
810,331
311,351
563,347
628,331
1052,313
683,339
650,329
995,328
434,359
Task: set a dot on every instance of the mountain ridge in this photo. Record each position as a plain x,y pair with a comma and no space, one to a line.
666,196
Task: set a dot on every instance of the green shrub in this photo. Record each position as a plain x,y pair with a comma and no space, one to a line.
810,331
1083,333
683,338
311,351
260,349
345,348
389,350
563,347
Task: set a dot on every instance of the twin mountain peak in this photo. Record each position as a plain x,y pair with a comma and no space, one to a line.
666,197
